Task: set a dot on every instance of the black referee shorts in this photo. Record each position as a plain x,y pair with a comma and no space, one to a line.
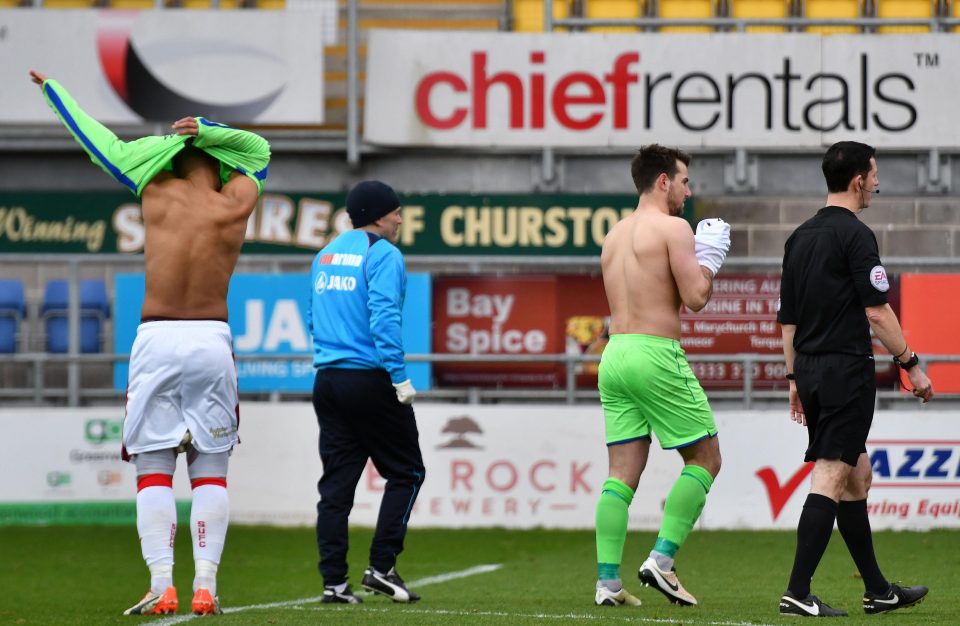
838,393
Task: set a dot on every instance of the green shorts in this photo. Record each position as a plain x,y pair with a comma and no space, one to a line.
646,385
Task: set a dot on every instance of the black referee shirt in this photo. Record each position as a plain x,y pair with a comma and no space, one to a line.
831,271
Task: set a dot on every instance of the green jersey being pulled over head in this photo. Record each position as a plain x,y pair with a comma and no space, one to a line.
134,163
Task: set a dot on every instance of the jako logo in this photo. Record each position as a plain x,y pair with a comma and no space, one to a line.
103,430
282,329
458,427
334,282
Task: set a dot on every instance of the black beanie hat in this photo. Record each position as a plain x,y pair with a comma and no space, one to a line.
369,201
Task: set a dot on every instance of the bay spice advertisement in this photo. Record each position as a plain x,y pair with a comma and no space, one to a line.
531,315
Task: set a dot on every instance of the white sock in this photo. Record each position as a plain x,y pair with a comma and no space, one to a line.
209,517
205,576
664,562
157,525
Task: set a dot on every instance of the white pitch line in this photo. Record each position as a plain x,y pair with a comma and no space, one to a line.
623,615
422,582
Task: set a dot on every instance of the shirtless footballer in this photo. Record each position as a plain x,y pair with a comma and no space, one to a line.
197,186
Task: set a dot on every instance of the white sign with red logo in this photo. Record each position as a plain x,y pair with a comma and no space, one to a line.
129,66
725,90
514,466
523,466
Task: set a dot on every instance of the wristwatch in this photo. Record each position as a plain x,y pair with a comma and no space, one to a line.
790,376
910,363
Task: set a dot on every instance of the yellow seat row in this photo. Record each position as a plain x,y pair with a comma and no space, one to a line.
528,14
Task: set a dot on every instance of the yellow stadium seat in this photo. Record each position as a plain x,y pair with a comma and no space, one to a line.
686,9
905,8
271,4
613,9
832,8
760,9
528,14
206,5
68,4
6,4
132,4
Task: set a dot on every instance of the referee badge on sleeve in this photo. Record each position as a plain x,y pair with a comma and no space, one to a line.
878,278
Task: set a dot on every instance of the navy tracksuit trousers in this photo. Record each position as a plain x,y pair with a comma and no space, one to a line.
360,418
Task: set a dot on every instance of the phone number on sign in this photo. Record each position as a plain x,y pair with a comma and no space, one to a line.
714,371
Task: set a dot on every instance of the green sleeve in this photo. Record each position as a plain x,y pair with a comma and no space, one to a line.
133,163
239,150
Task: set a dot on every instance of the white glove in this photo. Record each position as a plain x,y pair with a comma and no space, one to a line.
712,242
405,392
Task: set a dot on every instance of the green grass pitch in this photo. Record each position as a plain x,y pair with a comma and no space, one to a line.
89,575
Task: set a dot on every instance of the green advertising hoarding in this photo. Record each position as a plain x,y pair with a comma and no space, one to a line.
433,224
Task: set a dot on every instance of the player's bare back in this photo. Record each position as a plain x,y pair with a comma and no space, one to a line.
193,240
637,275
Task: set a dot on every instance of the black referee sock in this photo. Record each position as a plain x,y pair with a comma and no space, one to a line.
854,524
813,535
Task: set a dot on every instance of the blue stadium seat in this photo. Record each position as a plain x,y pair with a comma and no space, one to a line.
13,308
94,309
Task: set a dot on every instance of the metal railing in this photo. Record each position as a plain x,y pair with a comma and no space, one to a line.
38,393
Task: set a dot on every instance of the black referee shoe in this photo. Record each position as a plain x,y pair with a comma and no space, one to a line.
897,597
332,596
389,584
811,606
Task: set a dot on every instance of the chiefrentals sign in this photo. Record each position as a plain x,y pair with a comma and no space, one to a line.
717,90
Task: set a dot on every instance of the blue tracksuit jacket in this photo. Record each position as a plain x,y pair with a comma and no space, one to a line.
358,283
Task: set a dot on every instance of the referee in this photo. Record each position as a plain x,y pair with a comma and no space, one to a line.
833,292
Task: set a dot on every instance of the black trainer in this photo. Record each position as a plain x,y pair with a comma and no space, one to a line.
332,596
811,606
897,597
389,584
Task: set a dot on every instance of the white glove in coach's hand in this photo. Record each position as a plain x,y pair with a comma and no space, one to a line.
405,392
712,242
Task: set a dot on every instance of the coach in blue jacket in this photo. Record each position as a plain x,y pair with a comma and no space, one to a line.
362,394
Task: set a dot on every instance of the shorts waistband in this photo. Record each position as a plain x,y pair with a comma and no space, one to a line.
154,322
639,338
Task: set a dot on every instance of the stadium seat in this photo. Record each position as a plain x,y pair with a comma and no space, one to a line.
832,8
69,4
13,308
760,9
94,309
905,8
528,14
613,9
138,5
686,9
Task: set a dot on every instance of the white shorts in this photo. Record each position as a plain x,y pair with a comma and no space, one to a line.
182,376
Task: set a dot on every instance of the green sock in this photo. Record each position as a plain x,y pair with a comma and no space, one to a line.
683,506
615,499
